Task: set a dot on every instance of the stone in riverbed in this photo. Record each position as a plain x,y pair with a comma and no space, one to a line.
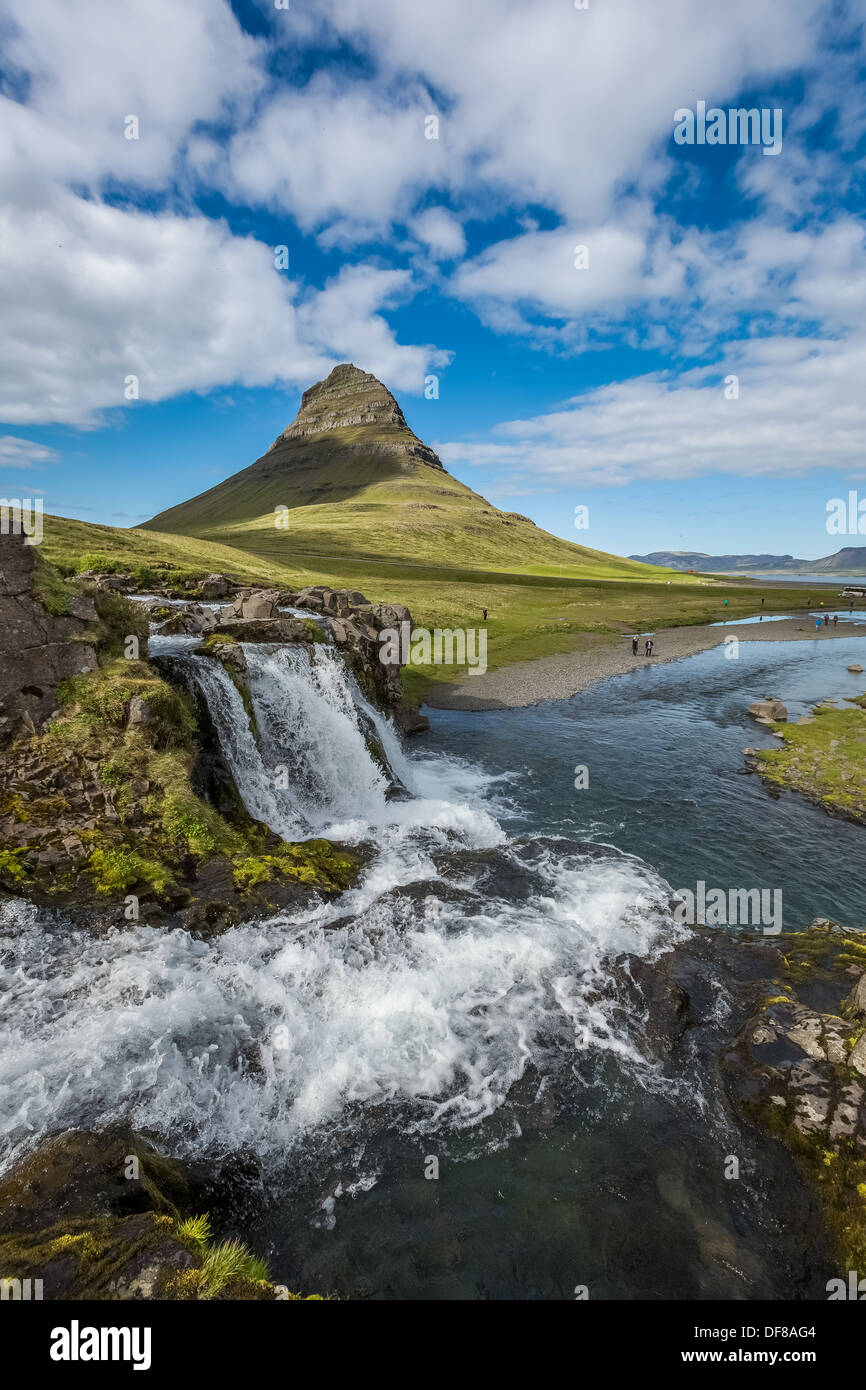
276,629
855,668
768,709
215,586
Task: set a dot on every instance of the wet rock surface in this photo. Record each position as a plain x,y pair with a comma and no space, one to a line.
783,1025
99,1216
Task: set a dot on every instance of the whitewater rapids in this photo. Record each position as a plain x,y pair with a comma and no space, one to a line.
460,959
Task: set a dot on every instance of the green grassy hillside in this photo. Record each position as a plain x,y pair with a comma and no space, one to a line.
530,615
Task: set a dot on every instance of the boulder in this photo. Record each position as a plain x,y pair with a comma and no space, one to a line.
190,619
312,597
277,629
260,604
391,615
116,583
856,669
768,710
409,721
231,654
234,609
215,586
139,717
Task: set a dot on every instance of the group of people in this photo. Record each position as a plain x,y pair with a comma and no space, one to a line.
825,621
648,646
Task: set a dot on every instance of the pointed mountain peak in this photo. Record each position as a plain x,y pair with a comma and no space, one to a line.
345,399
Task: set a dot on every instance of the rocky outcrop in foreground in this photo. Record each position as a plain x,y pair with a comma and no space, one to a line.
47,634
106,797
785,1024
113,782
104,1216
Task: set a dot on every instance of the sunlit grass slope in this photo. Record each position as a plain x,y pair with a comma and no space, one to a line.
529,615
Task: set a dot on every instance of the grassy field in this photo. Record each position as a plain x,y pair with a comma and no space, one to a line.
529,615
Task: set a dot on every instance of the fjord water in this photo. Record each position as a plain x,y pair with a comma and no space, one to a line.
450,1012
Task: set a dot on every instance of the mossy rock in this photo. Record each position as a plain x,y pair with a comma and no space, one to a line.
317,863
97,1258
72,1175
790,1073
98,1217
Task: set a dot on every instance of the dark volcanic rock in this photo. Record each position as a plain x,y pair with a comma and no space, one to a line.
95,1216
784,1028
38,649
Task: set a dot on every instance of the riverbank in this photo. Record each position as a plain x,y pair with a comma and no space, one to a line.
822,758
598,656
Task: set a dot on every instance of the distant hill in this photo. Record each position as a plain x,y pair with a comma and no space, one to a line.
850,560
359,485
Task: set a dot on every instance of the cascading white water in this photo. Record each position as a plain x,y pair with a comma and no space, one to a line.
310,771
429,988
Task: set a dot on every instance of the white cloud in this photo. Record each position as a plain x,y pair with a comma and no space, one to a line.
578,273
795,412
563,107
24,453
337,153
91,63
345,316
441,232
538,104
93,294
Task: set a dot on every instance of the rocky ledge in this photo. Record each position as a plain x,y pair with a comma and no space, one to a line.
783,1024
113,790
105,1216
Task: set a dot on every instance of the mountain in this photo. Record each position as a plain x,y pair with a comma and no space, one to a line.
360,485
699,560
850,560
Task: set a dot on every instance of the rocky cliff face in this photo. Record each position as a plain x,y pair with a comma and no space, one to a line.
347,397
346,400
38,647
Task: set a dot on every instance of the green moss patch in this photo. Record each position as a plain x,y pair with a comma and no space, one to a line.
824,761
317,863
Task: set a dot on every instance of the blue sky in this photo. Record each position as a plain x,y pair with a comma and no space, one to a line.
600,383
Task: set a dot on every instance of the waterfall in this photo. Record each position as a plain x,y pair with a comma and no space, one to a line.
420,996
323,761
